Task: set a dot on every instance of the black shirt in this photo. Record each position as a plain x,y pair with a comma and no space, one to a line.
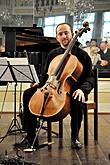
105,56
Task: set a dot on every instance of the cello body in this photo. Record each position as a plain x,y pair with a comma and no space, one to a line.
52,101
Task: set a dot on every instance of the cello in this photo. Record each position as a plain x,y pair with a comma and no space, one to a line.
52,101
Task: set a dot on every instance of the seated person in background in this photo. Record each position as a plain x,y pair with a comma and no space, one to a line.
87,44
95,56
105,56
92,43
92,50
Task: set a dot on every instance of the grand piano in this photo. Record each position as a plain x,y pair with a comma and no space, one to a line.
30,42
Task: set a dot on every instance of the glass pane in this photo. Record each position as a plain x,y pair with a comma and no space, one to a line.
50,24
48,31
59,19
90,17
49,20
106,16
106,28
106,25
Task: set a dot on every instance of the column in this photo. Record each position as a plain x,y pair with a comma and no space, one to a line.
97,30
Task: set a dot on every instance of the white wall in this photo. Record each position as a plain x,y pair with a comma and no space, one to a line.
103,96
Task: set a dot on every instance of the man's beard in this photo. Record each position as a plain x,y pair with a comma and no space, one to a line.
65,43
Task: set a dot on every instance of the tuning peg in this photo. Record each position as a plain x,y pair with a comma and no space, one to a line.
85,24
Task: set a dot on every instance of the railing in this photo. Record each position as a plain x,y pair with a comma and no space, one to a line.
39,3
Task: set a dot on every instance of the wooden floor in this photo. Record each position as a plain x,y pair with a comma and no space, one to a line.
62,154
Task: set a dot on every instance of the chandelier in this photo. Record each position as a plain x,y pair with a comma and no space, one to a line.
6,18
77,8
5,15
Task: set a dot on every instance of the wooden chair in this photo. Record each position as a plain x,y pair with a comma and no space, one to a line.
92,105
89,105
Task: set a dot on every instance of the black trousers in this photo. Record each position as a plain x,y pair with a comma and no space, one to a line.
76,113
30,121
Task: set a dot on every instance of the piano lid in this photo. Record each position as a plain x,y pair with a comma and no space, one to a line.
38,31
31,39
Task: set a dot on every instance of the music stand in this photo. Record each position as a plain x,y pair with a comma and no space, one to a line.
10,72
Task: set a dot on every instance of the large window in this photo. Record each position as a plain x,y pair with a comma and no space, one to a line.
106,26
86,36
50,24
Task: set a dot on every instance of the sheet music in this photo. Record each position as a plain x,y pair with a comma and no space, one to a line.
18,61
5,74
34,73
23,72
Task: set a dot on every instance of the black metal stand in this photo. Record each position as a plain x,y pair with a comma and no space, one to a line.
14,123
16,73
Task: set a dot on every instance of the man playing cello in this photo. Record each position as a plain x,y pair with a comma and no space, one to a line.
78,90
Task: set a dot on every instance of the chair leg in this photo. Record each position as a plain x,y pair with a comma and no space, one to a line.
49,131
60,135
95,125
61,128
85,127
96,108
49,126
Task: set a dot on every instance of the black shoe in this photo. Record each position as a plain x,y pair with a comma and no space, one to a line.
76,144
26,143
